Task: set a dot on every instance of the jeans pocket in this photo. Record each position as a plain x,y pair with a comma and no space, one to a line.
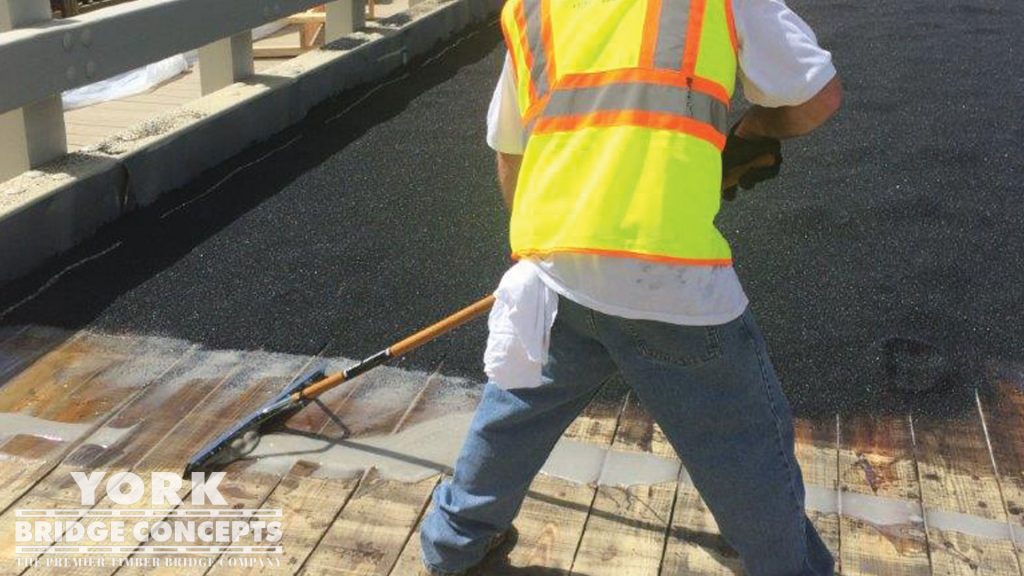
674,344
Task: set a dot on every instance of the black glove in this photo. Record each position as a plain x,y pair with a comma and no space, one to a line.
747,162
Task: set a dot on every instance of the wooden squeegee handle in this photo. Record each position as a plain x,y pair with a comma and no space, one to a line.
450,323
398,349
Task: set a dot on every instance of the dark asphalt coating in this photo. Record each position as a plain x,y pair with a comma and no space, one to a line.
902,219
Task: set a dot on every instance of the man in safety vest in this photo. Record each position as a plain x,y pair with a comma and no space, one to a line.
610,123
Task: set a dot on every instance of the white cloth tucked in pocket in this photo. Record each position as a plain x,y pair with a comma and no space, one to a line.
520,328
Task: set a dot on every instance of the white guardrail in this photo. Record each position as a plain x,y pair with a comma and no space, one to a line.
41,57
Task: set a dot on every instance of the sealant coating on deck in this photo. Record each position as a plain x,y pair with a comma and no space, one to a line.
901,218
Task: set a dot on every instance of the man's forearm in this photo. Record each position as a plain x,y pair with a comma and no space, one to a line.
508,175
791,121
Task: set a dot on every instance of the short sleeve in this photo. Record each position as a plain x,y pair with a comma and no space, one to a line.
505,131
780,61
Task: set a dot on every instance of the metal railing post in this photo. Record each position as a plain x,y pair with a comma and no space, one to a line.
34,134
225,62
344,17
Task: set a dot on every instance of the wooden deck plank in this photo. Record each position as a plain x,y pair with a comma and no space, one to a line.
88,130
98,124
1003,413
76,413
957,477
308,504
817,452
369,534
260,377
24,347
240,490
159,411
56,373
876,465
241,394
626,530
128,105
119,114
151,416
410,562
155,98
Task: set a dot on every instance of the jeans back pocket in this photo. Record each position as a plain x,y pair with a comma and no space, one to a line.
674,344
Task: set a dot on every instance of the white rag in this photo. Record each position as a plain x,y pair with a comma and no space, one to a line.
520,328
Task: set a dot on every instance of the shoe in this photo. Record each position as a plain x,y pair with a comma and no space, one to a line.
496,543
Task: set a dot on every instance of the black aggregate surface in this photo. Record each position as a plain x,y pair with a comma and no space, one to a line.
901,221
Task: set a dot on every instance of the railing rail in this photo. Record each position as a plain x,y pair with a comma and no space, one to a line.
41,57
59,55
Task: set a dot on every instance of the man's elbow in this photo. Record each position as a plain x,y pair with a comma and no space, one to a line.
831,97
508,175
825,104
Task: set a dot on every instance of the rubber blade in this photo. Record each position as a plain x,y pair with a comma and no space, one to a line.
220,451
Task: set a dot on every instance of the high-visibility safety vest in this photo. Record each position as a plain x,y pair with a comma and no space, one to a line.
626,105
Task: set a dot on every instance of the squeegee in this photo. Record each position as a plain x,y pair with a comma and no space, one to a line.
243,438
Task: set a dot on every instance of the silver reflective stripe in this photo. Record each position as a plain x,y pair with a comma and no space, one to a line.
539,72
671,41
637,96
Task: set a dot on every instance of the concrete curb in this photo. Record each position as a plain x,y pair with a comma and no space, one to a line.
47,211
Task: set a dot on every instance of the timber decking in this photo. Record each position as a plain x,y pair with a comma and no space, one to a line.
891,494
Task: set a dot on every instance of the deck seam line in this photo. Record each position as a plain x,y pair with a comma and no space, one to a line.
433,378
839,504
263,502
999,480
412,530
138,545
593,497
671,518
327,529
920,493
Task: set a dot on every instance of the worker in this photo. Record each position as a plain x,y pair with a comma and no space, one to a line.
610,126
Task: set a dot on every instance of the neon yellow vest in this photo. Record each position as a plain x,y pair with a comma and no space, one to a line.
626,104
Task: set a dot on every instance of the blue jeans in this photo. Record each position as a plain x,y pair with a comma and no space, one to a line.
713,391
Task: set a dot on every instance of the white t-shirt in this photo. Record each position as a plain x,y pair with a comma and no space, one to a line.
780,64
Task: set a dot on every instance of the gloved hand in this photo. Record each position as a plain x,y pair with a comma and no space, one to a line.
747,162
